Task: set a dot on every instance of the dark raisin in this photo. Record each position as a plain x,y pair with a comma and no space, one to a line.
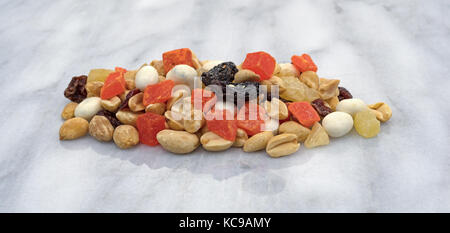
344,94
321,108
130,94
76,90
110,116
224,72
249,90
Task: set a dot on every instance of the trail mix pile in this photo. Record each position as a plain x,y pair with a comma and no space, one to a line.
181,103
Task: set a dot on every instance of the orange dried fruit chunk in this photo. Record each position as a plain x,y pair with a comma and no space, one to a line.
203,98
176,57
303,63
120,69
148,125
261,63
222,123
114,85
251,118
158,93
304,113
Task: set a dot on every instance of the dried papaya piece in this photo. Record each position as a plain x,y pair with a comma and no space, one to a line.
158,93
304,113
148,125
251,118
203,99
261,63
120,69
222,123
114,85
303,63
176,57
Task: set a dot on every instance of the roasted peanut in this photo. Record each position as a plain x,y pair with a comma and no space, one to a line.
126,136
135,103
73,128
328,88
174,120
213,142
311,79
317,137
274,80
194,121
382,111
179,142
245,75
123,96
159,66
127,117
129,77
69,111
112,104
93,88
241,138
271,108
287,69
281,145
292,127
158,108
101,129
258,141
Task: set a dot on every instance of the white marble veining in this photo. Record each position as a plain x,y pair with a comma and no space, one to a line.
392,51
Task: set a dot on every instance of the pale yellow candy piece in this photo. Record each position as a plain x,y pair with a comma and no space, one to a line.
98,75
366,124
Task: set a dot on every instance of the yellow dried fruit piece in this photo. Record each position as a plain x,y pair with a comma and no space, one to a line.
297,91
366,124
317,137
328,88
98,75
310,78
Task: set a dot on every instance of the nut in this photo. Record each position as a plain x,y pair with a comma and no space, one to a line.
317,137
195,62
126,136
337,124
292,127
69,111
174,120
194,121
258,141
178,142
382,111
112,104
93,88
135,103
178,92
282,145
159,66
101,129
274,80
158,108
332,102
245,75
129,77
241,138
287,69
88,108
351,106
276,109
213,142
73,128
328,88
123,96
127,117
311,79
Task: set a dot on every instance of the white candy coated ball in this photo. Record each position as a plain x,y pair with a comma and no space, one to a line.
337,124
184,74
147,75
88,108
351,106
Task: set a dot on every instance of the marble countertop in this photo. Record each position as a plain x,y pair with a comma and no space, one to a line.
391,51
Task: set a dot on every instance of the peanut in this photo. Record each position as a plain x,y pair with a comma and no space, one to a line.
317,137
112,104
258,141
135,103
159,66
127,117
73,128
281,145
194,122
130,77
174,120
271,108
241,138
69,111
293,127
93,88
245,75
382,111
274,80
101,129
178,142
213,142
158,108
287,69
126,136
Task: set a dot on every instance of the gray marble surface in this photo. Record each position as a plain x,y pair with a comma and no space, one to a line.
392,51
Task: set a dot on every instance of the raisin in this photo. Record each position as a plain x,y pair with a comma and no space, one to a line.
110,116
76,90
344,94
130,94
321,108
224,72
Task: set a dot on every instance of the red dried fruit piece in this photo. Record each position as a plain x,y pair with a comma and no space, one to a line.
114,85
203,99
148,125
303,63
176,57
261,63
158,93
304,113
251,118
222,123
120,69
